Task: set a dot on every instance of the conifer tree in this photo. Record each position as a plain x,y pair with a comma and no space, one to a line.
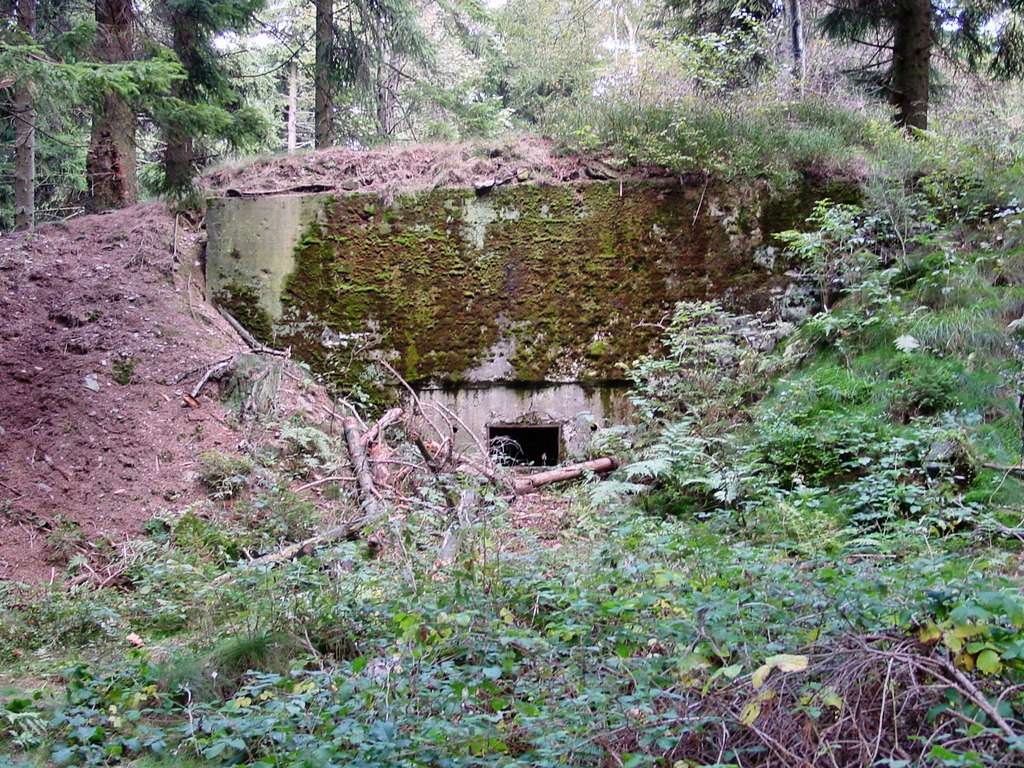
362,50
110,164
903,35
205,105
324,74
24,129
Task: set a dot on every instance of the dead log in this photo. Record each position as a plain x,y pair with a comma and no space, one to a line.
357,454
346,531
379,455
367,490
530,483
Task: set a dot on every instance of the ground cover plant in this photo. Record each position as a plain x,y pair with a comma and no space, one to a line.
811,555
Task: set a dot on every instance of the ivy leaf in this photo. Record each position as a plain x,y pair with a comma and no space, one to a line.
752,709
750,712
929,633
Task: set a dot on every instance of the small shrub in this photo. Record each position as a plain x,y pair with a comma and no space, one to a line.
836,250
223,475
819,447
705,368
65,539
204,537
921,385
307,449
277,516
123,370
218,673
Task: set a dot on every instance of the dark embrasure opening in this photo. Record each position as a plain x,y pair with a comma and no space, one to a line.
525,445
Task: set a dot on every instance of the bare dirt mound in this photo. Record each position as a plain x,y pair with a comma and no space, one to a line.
413,168
99,342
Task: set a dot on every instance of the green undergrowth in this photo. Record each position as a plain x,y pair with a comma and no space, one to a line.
736,139
509,659
777,512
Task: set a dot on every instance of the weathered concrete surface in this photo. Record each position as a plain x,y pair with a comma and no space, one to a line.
485,302
251,251
575,408
528,283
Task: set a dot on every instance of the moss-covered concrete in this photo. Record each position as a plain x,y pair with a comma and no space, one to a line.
525,284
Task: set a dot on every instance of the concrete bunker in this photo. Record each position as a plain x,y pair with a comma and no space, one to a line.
515,309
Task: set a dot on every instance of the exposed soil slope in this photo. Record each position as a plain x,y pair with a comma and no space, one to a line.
105,329
414,168
98,344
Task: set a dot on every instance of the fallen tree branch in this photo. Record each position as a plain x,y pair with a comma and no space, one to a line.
979,699
217,370
462,519
322,480
529,483
249,339
435,469
385,421
357,454
345,531
1015,471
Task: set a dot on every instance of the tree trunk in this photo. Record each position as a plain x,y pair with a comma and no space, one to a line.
180,159
322,81
180,154
388,78
110,164
293,106
24,134
911,63
796,39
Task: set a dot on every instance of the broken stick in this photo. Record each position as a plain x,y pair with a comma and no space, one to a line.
251,340
216,371
293,550
1015,471
385,421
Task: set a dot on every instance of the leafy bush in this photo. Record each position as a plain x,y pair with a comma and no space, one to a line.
819,448
836,249
704,370
276,516
921,385
224,475
308,449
